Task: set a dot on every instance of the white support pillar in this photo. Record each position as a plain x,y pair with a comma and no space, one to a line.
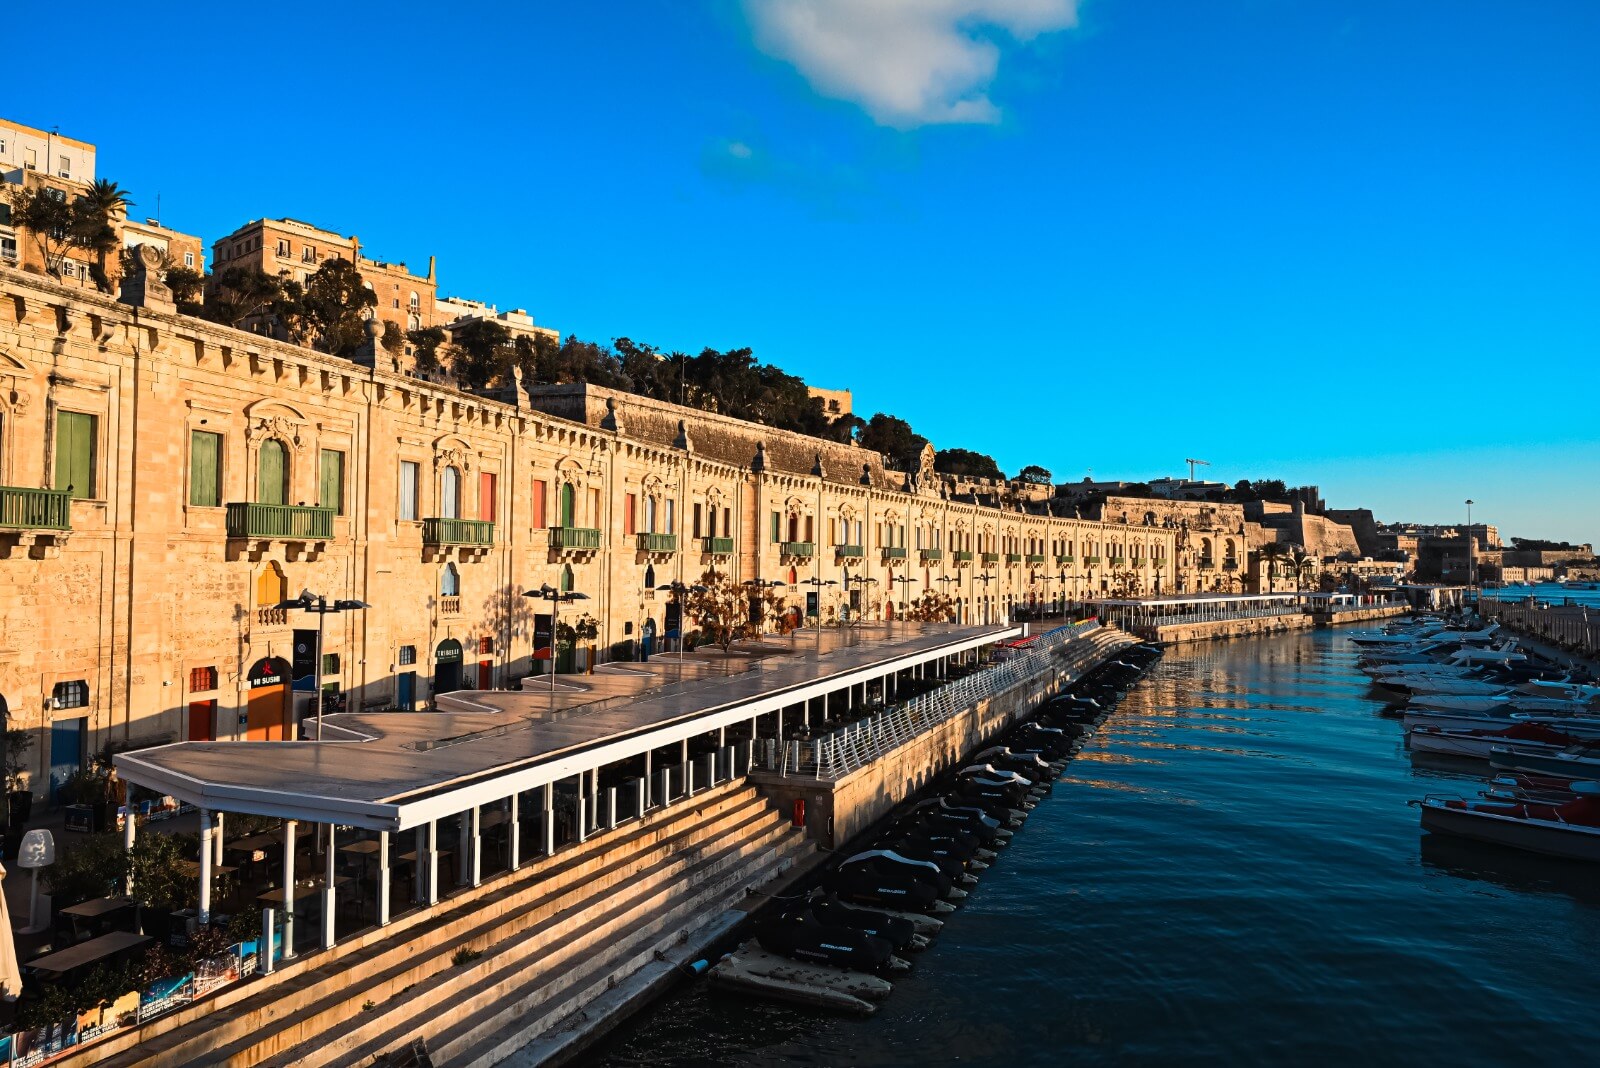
611,808
129,829
583,814
383,878
216,842
645,801
329,893
477,845
594,797
205,867
549,819
419,881
289,828
467,847
432,887
514,829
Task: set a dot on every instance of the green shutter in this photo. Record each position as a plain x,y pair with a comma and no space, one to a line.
330,493
205,469
272,485
75,453
566,504
777,527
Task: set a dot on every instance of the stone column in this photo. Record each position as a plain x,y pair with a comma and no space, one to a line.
205,867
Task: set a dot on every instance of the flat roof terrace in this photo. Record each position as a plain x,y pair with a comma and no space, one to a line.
390,771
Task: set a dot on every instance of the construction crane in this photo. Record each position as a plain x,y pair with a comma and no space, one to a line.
1196,463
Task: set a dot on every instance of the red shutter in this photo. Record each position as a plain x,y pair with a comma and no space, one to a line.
486,497
538,503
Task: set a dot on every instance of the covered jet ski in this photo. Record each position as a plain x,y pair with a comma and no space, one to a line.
882,877
799,934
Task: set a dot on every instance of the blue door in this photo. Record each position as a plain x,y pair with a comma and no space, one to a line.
66,750
406,692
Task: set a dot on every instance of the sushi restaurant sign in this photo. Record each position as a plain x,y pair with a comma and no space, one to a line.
269,671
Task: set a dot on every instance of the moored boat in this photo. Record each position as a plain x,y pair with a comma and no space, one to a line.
1570,829
1478,742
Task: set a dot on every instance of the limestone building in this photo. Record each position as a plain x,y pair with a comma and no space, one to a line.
166,482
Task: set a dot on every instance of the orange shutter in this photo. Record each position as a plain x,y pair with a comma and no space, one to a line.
538,503
630,507
486,497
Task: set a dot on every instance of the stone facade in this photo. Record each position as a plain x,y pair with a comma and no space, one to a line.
215,473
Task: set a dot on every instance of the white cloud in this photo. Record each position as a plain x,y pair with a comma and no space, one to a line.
907,62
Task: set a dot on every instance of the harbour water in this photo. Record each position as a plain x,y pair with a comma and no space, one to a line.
1229,874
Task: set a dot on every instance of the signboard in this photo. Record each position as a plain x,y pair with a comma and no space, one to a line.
269,671
305,659
38,849
448,652
541,636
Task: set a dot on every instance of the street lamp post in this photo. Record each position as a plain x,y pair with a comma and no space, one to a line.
678,589
904,581
860,582
819,584
759,584
985,578
549,593
945,580
1470,553
309,602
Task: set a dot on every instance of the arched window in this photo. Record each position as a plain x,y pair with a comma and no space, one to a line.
793,578
649,577
1229,553
271,587
450,494
649,515
567,495
272,473
450,581
794,527
566,579
415,303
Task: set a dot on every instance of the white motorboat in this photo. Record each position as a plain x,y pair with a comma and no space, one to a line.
1570,829
1481,742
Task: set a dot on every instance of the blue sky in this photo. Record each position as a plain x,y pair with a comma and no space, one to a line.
1345,243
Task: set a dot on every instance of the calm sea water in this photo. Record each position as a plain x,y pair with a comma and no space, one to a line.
1229,875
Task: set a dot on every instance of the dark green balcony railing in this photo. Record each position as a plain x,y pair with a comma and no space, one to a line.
444,531
962,556
1064,560
797,548
1013,558
1207,563
35,509
932,556
717,546
285,521
658,543
1118,561
894,552
853,552
990,558
1033,558
568,538
1230,565
1091,561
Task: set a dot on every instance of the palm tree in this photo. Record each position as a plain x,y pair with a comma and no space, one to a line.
102,206
1272,552
1303,564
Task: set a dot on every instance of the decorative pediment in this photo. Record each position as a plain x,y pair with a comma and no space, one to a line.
451,451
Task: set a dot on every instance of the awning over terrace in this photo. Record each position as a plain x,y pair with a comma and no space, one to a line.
391,771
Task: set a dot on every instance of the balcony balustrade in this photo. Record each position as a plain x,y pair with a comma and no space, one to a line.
962,557
990,558
280,522
1064,560
894,552
850,552
798,548
1206,563
1013,558
444,531
1119,561
1033,558
717,546
574,539
932,556
1091,561
450,606
658,543
35,509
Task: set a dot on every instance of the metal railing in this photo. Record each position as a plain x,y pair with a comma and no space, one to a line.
894,552
35,509
574,538
658,543
717,546
286,521
852,552
445,531
1033,558
797,548
931,556
850,748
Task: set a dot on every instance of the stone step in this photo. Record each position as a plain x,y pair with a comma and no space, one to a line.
229,1031
505,1028
586,923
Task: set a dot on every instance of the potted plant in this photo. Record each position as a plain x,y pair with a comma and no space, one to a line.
18,741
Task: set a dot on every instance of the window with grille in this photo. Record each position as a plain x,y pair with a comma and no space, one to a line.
330,663
72,694
486,645
408,654
202,679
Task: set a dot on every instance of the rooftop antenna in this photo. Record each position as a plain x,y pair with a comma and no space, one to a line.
1196,463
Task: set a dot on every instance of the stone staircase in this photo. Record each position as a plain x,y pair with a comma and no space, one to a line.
535,950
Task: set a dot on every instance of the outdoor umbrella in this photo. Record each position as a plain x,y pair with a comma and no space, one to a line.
10,972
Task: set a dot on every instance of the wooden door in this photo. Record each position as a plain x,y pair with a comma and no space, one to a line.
265,722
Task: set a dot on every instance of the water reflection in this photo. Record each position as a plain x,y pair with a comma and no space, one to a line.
1509,869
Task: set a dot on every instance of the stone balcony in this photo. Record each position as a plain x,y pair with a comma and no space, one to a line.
36,520
254,529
